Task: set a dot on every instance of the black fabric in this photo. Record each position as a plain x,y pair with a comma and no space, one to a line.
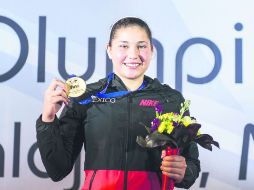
108,132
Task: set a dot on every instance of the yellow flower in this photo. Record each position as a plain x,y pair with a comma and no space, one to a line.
170,128
166,116
162,127
186,121
198,132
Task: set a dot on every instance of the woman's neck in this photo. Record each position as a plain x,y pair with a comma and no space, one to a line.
133,84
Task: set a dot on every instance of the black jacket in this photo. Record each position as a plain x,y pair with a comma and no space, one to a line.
108,129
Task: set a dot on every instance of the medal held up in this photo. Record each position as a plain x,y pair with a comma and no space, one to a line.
76,87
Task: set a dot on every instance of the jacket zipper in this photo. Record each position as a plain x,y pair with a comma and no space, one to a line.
91,180
127,142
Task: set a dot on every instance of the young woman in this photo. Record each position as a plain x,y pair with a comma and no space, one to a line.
108,129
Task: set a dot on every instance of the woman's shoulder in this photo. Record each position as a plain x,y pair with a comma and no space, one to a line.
95,86
156,84
166,90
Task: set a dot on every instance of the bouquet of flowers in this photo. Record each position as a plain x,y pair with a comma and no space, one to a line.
173,131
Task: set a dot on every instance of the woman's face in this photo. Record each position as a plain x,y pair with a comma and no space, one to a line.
131,52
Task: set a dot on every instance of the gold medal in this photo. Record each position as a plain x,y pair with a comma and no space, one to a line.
76,87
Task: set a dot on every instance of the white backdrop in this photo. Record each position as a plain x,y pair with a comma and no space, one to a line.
198,38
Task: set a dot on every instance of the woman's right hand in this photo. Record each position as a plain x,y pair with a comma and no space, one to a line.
54,96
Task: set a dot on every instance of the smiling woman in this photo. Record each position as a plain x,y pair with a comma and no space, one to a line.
108,129
130,49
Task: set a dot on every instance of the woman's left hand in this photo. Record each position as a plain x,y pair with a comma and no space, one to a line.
173,166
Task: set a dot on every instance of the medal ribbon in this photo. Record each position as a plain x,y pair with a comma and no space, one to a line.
103,94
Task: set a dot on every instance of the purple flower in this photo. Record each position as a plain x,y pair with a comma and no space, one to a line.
158,108
155,124
175,124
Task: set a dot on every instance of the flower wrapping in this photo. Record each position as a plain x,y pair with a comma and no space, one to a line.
168,183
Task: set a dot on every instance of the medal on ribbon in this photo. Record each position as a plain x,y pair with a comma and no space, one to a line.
76,87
